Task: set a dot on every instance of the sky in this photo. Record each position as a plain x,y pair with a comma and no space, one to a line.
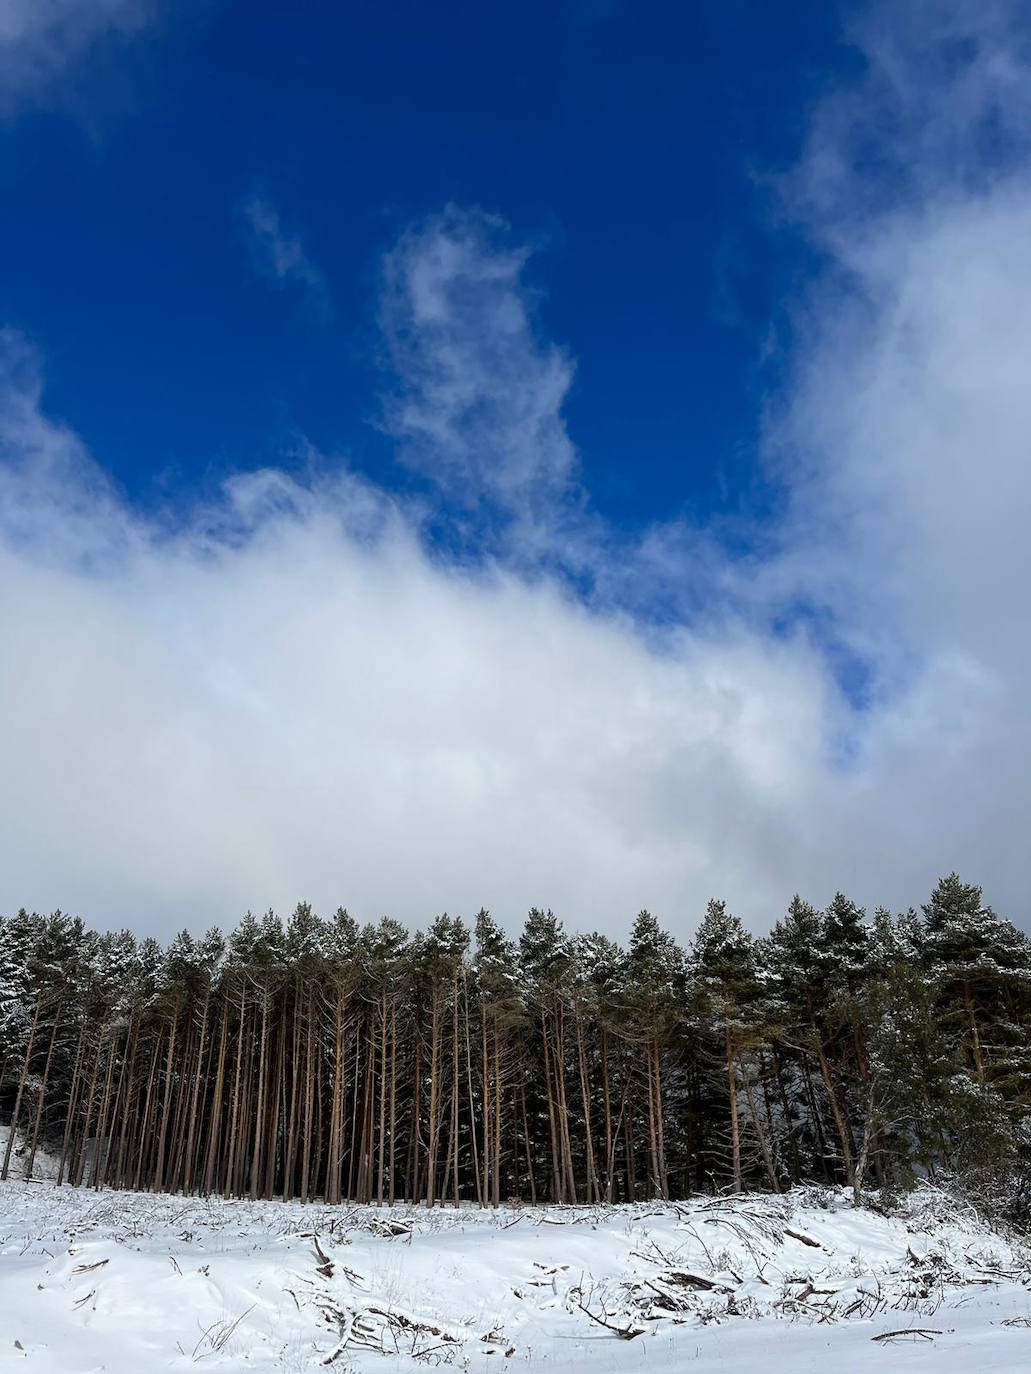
569,455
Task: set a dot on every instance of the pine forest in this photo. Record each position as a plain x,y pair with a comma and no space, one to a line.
317,1059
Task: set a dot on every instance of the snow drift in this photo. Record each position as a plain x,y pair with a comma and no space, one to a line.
126,1282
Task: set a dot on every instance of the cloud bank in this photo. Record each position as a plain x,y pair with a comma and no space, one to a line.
294,692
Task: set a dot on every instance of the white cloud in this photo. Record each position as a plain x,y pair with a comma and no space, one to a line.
478,407
905,444
40,39
291,695
310,705
279,254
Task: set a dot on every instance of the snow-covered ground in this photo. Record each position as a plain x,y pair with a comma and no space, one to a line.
132,1283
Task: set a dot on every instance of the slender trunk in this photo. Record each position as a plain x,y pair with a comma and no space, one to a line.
606,1096
557,1190
563,1107
844,1134
73,1091
100,1154
229,1182
159,1168
382,1159
735,1127
142,1121
259,1110
194,1095
132,1103
496,1164
526,1140
760,1130
660,1119
975,1037
455,1088
215,1117
485,1099
431,1144
393,1097
593,1192
336,1103
42,1093
30,1046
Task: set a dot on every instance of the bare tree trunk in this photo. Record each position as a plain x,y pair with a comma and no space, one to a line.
975,1038
735,1126
30,1046
844,1134
393,1097
259,1111
563,1108
431,1146
550,1083
159,1168
194,1094
132,1105
229,1182
73,1091
660,1122
455,1089
42,1093
487,1105
469,1090
215,1118
143,1119
610,1149
498,1086
526,1139
593,1192
333,1163
101,1153
381,1161
760,1130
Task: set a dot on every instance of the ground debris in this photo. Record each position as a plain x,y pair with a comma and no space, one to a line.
89,1277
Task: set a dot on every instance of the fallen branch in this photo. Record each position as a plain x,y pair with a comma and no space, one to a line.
806,1240
680,1278
926,1333
325,1265
625,1333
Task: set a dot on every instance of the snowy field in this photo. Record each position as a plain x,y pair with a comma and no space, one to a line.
132,1283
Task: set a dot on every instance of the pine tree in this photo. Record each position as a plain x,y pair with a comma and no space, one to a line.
980,963
728,1003
501,1016
805,965
653,995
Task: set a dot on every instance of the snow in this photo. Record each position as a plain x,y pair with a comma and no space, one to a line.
44,1166
126,1283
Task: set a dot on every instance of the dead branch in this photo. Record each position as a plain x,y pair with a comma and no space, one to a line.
926,1333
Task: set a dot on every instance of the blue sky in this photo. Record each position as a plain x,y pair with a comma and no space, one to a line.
625,141
569,455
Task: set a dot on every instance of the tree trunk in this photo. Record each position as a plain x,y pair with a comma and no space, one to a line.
30,1046
735,1125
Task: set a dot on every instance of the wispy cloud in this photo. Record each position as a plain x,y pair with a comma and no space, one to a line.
41,39
476,404
279,254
